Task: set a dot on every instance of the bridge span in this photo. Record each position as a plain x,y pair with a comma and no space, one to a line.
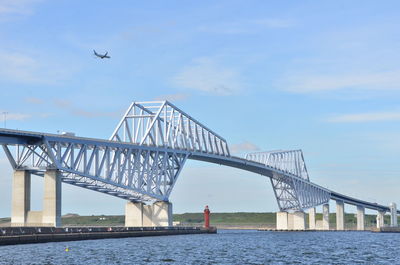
141,163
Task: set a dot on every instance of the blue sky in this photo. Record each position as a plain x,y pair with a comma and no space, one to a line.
320,76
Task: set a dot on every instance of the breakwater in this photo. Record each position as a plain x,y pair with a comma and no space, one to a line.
29,235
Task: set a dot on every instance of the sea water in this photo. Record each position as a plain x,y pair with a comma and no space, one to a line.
226,247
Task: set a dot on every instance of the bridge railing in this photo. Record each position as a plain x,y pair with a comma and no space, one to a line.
162,124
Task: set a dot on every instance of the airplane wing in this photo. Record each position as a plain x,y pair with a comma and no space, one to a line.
106,54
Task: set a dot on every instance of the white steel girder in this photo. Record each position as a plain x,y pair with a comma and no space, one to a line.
291,161
144,156
162,124
125,171
292,193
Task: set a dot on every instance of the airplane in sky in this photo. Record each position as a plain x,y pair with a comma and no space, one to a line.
102,56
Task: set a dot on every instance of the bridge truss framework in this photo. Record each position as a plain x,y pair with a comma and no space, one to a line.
143,158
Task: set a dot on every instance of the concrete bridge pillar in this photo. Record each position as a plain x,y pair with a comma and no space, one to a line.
147,215
290,221
325,217
380,219
297,220
134,214
339,215
21,214
393,214
138,214
52,198
21,197
311,218
162,214
360,218
282,221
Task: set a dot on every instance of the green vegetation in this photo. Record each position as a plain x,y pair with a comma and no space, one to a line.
94,220
240,219
266,219
351,220
5,221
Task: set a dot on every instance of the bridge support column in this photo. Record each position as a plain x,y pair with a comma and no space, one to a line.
52,198
393,214
311,218
134,214
158,214
21,197
380,219
339,215
282,221
162,214
147,215
360,218
325,217
297,221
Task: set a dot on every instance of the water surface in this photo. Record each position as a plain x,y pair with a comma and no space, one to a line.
226,247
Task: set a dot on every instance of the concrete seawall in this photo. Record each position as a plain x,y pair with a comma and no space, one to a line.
387,230
29,235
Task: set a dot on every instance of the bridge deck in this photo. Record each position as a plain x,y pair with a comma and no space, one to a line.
15,137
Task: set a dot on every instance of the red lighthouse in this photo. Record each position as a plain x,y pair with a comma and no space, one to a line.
206,217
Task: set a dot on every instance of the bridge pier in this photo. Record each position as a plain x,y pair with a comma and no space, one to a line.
360,218
282,221
51,215
311,218
393,214
380,219
162,214
339,215
325,217
290,221
138,214
134,214
21,196
297,220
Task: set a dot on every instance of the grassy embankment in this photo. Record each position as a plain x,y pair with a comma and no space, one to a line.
221,220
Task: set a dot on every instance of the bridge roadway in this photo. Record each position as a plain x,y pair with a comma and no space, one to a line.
19,137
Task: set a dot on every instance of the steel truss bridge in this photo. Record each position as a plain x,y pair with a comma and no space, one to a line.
143,158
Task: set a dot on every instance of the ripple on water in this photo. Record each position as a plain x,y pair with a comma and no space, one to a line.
227,247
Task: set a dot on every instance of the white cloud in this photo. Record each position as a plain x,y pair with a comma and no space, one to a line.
208,76
366,117
173,97
12,116
303,83
95,114
274,23
243,147
15,116
23,68
33,100
18,116
247,26
17,66
77,111
17,6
